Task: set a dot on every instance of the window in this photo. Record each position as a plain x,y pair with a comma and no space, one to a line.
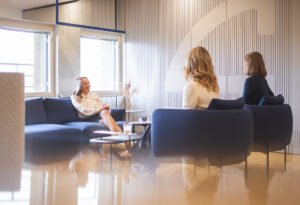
101,62
27,50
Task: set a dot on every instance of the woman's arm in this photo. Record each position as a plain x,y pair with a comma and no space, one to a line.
189,96
247,90
82,109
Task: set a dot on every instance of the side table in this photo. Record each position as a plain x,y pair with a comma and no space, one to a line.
129,112
144,124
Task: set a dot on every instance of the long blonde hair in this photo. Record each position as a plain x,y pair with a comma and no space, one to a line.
199,68
78,86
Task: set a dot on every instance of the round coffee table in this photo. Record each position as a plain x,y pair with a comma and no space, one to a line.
114,138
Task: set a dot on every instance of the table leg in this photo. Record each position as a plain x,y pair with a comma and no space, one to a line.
110,161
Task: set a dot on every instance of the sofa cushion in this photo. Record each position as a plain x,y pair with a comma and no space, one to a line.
60,110
52,133
34,111
87,128
118,114
272,100
218,104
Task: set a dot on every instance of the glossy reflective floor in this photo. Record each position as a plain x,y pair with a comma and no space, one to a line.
84,177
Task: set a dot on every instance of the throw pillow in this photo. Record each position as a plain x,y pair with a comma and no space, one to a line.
218,104
272,100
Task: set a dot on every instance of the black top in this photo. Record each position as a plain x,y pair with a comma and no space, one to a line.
255,87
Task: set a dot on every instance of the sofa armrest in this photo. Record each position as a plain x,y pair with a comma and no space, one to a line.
118,114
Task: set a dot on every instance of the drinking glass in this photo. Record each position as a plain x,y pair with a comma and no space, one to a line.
127,128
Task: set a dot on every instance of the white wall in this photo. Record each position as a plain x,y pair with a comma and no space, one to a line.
11,13
159,31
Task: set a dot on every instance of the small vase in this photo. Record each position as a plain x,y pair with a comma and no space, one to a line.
128,104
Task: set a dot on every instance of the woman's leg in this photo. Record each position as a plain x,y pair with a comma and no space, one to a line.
109,121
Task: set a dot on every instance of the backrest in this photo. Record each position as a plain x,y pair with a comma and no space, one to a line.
273,124
118,114
60,110
34,111
218,133
220,104
271,100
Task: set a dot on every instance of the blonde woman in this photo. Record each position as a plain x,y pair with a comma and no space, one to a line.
202,85
88,104
200,89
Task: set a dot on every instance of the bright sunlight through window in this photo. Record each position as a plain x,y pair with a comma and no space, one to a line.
99,62
28,53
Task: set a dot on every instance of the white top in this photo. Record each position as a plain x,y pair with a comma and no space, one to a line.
86,105
196,95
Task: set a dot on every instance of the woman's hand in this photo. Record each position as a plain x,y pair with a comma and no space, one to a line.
105,107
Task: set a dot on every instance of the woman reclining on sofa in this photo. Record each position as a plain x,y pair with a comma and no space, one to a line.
88,104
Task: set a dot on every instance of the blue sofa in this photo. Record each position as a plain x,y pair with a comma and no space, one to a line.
222,136
55,121
273,128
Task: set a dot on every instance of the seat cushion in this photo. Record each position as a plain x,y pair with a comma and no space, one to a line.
272,100
87,128
218,104
35,112
60,110
52,133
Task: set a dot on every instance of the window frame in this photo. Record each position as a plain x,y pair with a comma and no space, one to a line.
32,26
102,35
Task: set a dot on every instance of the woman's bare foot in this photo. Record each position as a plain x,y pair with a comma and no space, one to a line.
122,155
125,154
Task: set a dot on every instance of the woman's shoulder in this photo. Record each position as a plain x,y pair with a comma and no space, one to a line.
254,79
75,97
190,85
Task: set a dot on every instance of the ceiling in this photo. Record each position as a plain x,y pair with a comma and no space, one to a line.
26,4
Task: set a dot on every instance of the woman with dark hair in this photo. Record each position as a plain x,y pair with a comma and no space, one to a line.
256,85
88,104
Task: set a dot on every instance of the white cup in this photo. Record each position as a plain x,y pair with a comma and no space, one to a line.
127,128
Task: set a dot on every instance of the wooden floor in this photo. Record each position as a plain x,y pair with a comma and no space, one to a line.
88,178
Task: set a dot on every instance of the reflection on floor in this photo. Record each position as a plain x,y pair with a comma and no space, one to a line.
88,178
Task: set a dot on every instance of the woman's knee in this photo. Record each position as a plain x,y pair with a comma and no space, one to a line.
104,113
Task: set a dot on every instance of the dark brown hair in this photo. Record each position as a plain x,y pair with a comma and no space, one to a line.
256,64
